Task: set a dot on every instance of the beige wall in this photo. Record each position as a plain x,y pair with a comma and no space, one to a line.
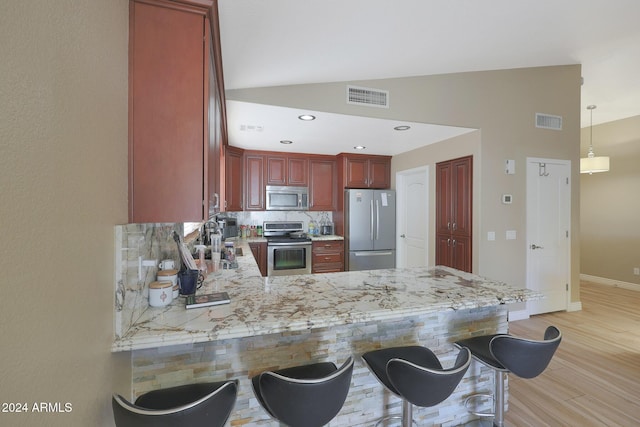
610,203
502,105
63,168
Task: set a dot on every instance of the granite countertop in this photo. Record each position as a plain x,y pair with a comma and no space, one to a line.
326,237
265,305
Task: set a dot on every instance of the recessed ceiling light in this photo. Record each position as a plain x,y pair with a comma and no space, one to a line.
359,147
403,127
286,141
307,117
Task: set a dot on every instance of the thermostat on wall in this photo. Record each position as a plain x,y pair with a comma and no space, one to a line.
507,199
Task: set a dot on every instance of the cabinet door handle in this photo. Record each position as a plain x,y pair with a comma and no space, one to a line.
454,243
455,226
448,226
448,242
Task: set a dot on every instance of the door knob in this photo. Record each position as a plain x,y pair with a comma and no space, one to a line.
403,236
536,247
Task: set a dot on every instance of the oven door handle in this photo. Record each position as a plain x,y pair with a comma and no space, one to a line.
289,244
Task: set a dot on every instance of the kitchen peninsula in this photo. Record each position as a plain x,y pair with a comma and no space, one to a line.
278,322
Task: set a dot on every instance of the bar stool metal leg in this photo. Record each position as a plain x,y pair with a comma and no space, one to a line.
498,397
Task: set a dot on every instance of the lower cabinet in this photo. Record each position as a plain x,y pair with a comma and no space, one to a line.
327,256
453,251
259,251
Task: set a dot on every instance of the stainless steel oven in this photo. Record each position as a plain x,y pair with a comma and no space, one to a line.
288,249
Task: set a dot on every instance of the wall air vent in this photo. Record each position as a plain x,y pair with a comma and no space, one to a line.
368,97
547,121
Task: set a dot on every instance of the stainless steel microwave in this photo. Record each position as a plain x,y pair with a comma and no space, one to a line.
287,198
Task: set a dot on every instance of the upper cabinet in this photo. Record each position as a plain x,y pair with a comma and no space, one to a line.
234,178
322,183
254,181
176,113
365,171
287,169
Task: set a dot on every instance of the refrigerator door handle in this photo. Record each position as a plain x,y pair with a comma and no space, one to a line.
377,220
371,222
372,253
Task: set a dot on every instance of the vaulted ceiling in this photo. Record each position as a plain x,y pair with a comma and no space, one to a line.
284,42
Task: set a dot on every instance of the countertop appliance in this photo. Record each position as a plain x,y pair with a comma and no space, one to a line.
287,198
228,226
288,248
370,229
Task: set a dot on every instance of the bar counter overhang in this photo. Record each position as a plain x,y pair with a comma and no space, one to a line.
274,323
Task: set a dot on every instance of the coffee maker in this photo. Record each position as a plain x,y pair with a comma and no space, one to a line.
228,226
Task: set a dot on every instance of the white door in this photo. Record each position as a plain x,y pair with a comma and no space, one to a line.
413,217
548,224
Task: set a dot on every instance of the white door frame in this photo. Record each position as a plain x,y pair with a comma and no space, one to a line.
566,163
401,202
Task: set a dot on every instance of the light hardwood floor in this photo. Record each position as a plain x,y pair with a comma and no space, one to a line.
594,377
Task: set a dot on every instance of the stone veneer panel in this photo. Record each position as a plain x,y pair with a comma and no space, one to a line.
242,358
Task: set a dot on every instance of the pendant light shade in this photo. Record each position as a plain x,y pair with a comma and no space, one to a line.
591,163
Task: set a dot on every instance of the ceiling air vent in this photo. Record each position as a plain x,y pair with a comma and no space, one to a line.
547,121
367,96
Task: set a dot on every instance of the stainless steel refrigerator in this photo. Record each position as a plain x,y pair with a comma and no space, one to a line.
370,229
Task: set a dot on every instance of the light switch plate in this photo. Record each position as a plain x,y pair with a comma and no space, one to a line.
511,235
491,235
510,167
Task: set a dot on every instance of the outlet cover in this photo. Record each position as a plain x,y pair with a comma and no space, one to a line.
511,235
491,235
636,271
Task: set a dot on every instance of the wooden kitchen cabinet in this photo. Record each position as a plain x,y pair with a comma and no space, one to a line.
365,171
454,185
283,169
176,112
234,173
327,256
254,182
259,251
322,183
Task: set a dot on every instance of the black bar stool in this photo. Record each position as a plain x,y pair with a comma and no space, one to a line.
415,374
193,405
304,396
505,353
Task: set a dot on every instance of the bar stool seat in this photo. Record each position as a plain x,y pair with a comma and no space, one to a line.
304,396
193,405
505,353
415,374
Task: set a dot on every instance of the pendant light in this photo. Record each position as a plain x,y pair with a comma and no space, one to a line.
591,163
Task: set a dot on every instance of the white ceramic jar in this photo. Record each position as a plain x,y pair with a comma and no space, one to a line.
168,276
160,294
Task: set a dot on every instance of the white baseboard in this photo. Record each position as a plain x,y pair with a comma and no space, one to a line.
610,282
518,315
575,306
